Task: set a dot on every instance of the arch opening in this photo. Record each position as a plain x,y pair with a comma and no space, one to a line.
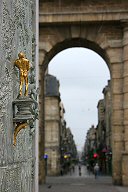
75,42
82,75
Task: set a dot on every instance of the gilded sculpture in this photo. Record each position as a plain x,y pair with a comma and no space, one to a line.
17,130
23,65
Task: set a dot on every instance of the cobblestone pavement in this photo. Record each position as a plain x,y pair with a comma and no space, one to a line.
84,183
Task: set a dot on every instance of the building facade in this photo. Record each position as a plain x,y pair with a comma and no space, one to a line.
104,133
107,114
98,145
52,125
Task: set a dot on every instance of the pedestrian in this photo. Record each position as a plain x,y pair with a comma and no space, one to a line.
96,170
88,169
73,168
79,170
61,171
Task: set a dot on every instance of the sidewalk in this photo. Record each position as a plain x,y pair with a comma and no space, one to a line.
84,183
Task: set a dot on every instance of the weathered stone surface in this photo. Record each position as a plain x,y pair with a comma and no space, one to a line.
125,167
16,34
87,10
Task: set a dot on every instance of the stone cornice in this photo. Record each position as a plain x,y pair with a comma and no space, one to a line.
94,16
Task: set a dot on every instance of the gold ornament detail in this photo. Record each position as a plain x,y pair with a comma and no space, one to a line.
17,130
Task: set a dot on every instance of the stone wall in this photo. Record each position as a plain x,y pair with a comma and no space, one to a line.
67,11
16,34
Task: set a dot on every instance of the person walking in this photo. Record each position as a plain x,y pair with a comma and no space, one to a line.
96,170
79,167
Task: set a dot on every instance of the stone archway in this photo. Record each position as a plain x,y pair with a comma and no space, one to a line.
109,38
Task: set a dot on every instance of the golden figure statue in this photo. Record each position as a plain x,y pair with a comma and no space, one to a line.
23,65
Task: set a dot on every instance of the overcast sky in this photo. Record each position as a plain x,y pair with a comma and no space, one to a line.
82,74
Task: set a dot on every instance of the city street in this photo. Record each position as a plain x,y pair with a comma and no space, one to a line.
84,183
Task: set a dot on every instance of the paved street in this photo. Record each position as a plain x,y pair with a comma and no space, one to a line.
84,183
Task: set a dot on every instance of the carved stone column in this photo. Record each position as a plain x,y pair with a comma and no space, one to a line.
125,105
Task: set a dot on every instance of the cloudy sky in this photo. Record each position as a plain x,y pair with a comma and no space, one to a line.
82,74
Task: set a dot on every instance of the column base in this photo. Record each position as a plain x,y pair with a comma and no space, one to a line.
125,168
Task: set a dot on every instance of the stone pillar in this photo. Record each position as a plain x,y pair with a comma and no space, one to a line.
117,144
125,106
117,113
